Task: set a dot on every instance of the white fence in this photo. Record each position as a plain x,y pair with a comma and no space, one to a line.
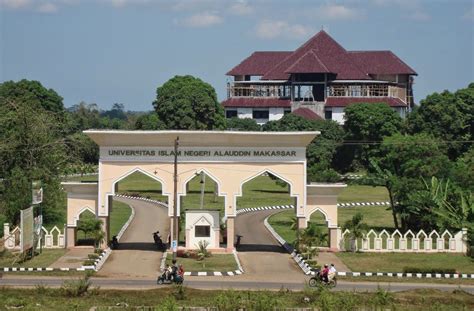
420,242
53,238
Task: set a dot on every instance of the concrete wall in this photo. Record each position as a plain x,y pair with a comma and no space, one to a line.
338,114
202,218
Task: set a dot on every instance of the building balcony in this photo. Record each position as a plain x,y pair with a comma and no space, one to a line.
308,93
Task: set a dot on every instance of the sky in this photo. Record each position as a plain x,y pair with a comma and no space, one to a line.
120,51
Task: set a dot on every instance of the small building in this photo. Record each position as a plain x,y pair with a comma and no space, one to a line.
317,81
202,225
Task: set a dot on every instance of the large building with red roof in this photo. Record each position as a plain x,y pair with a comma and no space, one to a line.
317,81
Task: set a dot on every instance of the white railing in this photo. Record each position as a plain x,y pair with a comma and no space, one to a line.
421,242
53,238
371,90
259,90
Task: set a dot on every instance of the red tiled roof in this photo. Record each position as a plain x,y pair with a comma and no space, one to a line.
307,114
346,101
258,63
256,102
308,63
380,62
334,57
322,54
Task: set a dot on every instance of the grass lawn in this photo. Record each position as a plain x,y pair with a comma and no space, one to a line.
357,193
377,217
395,262
87,178
118,217
217,262
43,260
166,298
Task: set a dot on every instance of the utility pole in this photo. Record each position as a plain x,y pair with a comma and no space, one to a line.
174,243
203,185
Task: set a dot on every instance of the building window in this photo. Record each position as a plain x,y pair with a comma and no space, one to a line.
260,114
202,231
231,114
286,111
328,114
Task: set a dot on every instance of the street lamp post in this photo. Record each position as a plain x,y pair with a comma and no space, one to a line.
175,199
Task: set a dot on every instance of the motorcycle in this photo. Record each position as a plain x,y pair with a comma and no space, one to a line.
173,279
114,244
158,242
239,238
317,279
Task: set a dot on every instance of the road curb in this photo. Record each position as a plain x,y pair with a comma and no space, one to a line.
340,205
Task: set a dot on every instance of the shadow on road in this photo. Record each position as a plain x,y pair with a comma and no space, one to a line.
260,248
138,246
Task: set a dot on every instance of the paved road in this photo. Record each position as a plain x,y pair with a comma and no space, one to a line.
137,256
226,283
261,256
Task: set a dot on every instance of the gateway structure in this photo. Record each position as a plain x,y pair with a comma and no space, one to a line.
229,158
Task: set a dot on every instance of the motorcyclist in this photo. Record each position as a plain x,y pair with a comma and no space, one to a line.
174,269
332,272
324,273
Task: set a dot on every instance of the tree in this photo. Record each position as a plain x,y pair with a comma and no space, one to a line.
83,116
149,121
32,94
405,160
117,112
93,227
320,153
447,116
357,228
186,102
246,124
368,123
462,173
31,147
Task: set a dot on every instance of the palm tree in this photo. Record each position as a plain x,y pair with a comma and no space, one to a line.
357,229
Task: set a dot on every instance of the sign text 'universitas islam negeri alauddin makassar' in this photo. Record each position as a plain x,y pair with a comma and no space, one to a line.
167,154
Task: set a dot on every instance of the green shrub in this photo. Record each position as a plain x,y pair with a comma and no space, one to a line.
76,288
179,292
227,300
168,304
382,297
428,270
88,262
93,256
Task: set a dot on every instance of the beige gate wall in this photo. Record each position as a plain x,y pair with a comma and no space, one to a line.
230,177
80,197
229,158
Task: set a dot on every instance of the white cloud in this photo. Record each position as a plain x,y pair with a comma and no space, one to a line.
189,5
123,3
469,15
241,7
15,4
269,29
204,19
47,7
334,12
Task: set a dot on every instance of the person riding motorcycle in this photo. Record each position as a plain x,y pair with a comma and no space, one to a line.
332,272
324,273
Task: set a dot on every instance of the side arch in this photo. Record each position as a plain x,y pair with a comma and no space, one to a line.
322,211
82,210
270,171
